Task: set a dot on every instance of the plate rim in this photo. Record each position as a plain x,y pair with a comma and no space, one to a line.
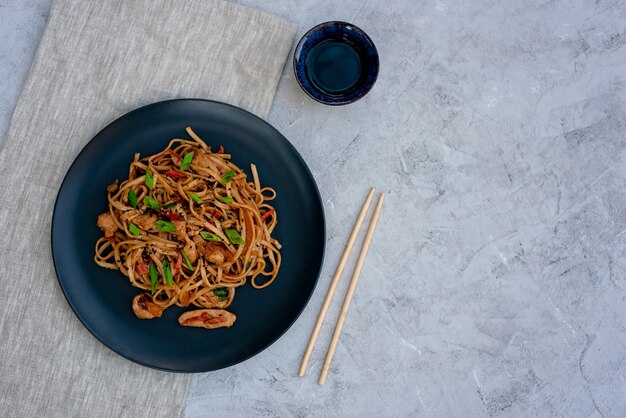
299,157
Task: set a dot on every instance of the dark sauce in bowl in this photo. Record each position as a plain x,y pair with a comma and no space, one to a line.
333,66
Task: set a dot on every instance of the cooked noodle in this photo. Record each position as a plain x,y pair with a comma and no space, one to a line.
190,210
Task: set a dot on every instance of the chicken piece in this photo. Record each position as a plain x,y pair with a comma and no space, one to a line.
216,253
207,318
107,224
190,252
144,308
181,228
200,244
201,159
145,222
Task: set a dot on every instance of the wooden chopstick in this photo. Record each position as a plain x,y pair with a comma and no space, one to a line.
353,283
334,282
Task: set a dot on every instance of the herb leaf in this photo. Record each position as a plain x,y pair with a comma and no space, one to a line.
207,236
228,176
149,179
151,202
186,161
164,226
133,229
187,262
167,271
154,277
132,198
234,236
226,199
195,198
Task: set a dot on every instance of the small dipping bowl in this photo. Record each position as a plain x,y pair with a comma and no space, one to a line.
336,63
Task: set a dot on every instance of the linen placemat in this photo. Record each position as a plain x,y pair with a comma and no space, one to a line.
96,61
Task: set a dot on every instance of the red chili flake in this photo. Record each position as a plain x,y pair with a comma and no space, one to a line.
172,215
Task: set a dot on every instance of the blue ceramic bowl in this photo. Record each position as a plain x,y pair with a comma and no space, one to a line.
358,41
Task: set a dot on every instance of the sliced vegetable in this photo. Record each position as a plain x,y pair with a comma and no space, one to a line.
174,154
226,199
267,215
154,277
164,226
141,268
234,236
170,205
149,179
228,176
207,236
218,215
151,202
187,161
176,174
187,262
132,198
247,266
195,198
167,271
134,229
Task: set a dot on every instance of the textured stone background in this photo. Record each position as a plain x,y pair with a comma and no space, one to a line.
495,285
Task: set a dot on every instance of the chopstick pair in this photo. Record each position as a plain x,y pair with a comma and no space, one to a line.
351,288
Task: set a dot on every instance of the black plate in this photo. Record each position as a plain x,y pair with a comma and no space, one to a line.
102,298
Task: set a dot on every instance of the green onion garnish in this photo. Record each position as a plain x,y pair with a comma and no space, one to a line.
170,205
169,279
132,198
186,161
221,293
207,236
154,277
247,266
187,262
149,179
228,176
226,199
195,198
133,229
164,226
151,202
234,236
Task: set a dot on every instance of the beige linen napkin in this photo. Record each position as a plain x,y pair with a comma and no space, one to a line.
96,61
